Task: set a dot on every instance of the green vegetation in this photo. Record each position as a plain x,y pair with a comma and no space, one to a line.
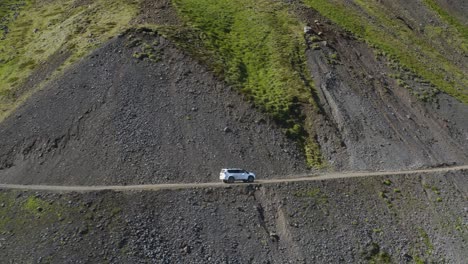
388,200
314,193
146,50
426,94
333,59
374,254
5,203
451,20
258,47
382,195
435,190
461,226
9,7
422,250
426,240
313,154
25,212
17,213
418,53
382,257
36,206
419,260
315,46
387,182
45,29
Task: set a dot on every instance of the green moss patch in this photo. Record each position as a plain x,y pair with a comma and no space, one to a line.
18,213
23,213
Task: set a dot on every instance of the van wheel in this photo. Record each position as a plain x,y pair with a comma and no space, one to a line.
231,179
250,179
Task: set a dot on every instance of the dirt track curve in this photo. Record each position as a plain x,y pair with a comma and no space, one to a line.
155,187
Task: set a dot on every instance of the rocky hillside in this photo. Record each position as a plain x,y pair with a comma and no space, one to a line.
384,113
395,219
165,91
121,119
168,91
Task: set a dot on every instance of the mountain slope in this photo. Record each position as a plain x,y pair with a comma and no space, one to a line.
42,38
380,123
392,219
382,88
119,119
169,91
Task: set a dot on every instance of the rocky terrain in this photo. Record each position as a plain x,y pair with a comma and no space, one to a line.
391,219
171,91
117,119
368,117
143,108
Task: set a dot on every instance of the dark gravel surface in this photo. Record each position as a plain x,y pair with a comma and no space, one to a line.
397,218
117,119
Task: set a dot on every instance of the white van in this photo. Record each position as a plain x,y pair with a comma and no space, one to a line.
232,175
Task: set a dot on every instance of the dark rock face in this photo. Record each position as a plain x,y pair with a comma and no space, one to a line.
118,118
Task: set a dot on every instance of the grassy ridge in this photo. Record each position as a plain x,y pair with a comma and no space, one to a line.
44,28
414,52
258,46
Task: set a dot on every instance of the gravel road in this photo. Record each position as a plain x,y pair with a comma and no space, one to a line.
155,187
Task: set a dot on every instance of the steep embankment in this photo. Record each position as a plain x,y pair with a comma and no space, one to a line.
378,110
390,219
138,110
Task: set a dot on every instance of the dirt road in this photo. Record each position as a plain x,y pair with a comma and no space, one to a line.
155,187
